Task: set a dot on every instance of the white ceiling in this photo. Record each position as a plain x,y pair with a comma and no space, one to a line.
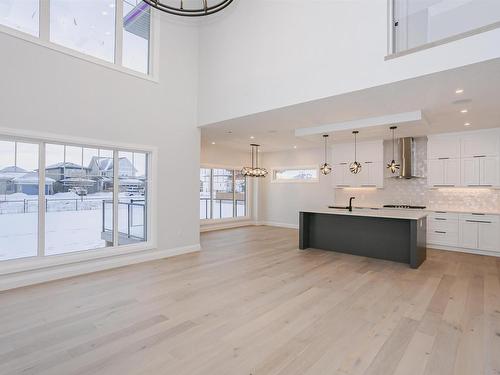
434,95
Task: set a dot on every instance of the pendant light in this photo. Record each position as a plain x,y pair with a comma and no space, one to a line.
355,166
392,166
325,167
254,170
193,9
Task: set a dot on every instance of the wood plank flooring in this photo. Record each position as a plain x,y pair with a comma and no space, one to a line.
252,303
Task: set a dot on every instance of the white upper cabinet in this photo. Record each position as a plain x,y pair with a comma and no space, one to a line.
480,171
369,154
443,172
480,144
443,147
464,159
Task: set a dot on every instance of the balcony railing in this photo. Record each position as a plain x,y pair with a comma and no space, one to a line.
222,208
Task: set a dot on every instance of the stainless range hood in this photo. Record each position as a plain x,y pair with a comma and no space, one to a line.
407,159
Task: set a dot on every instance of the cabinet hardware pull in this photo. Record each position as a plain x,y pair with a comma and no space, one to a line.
477,213
440,218
445,185
440,232
368,185
440,212
478,221
443,158
479,156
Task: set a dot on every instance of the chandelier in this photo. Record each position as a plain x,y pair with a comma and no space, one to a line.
355,166
189,8
254,170
325,167
393,166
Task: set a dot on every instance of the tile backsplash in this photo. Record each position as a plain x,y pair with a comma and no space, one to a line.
416,192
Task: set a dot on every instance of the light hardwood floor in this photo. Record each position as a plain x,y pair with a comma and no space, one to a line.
251,303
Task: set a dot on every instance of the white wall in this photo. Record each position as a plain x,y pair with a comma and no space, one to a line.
215,155
265,54
47,91
279,203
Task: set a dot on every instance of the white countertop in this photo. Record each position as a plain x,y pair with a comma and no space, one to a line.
369,212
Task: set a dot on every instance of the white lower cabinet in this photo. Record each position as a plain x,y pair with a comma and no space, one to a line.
464,231
480,232
442,229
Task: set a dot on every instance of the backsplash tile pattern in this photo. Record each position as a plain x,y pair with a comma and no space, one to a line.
416,192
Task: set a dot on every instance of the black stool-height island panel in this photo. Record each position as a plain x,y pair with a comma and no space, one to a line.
399,236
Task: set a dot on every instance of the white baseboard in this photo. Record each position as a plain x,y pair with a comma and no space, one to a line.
277,224
42,275
227,225
463,250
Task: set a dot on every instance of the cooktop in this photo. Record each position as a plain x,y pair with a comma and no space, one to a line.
404,206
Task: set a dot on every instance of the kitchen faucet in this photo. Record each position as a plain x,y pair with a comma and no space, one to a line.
350,203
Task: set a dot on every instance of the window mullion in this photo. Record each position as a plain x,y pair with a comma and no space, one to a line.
44,20
119,32
235,208
41,199
116,192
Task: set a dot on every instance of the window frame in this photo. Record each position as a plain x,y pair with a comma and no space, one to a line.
248,195
295,181
41,260
43,40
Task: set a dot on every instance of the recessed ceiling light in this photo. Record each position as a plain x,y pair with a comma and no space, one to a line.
111,5
294,146
213,143
252,137
464,110
467,124
104,13
459,91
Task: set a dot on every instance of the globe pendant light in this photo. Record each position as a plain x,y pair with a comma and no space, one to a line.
392,166
355,166
325,167
254,170
178,7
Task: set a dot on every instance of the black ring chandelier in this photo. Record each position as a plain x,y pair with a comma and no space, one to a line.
205,8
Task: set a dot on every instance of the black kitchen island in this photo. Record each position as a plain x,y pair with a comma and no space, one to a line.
395,235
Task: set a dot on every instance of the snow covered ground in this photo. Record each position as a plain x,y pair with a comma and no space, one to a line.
222,209
66,229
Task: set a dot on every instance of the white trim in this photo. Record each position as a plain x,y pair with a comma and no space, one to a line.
153,53
278,224
37,136
463,250
226,225
41,275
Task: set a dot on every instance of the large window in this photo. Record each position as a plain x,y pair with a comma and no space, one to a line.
223,194
417,22
93,198
115,31
22,15
19,188
132,207
85,26
136,35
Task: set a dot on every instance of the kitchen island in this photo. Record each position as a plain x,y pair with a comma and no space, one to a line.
396,235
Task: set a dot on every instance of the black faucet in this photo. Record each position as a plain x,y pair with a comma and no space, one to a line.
350,203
